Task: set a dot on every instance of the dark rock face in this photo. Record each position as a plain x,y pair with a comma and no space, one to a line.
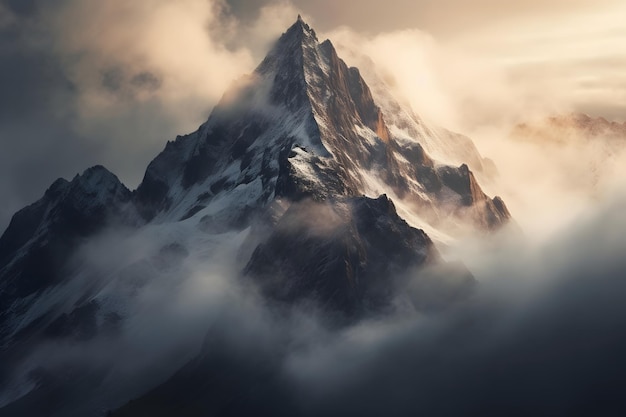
343,254
489,213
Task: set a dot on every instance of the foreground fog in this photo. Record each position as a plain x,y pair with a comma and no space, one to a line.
541,331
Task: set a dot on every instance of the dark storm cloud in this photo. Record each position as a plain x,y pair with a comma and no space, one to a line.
113,79
145,80
31,78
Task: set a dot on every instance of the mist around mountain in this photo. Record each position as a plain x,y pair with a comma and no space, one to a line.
314,248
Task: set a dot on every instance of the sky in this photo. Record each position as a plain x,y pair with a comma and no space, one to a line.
86,82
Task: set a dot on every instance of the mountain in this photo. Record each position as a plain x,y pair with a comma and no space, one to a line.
301,173
568,128
584,152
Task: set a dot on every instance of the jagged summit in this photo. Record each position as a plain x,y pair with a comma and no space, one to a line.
300,26
290,46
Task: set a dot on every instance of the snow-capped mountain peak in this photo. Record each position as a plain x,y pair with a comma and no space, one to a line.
297,167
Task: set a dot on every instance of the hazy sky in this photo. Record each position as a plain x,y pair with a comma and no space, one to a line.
88,82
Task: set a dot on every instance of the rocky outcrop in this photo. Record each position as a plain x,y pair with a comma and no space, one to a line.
345,254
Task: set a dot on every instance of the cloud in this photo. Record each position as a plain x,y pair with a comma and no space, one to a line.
441,84
152,294
541,335
534,339
179,56
540,332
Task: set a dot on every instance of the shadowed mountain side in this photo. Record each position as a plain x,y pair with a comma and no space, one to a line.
347,255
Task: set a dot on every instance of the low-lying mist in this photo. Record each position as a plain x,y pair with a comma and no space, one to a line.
541,331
